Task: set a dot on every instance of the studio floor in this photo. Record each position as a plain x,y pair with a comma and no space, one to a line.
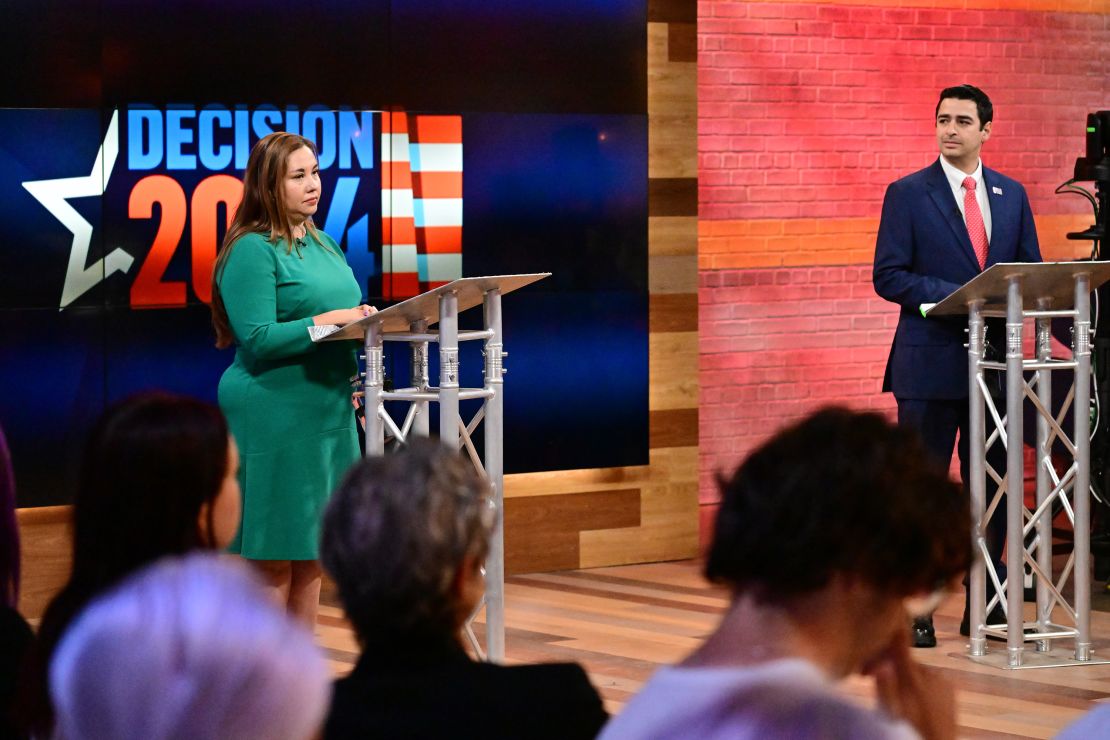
622,623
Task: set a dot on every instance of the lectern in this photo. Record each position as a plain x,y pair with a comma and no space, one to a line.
408,322
1040,292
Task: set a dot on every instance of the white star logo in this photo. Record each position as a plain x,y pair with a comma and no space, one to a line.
54,196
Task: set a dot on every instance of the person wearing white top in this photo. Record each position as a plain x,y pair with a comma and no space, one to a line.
824,535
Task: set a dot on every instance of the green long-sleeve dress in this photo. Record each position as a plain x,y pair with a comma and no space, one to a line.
287,400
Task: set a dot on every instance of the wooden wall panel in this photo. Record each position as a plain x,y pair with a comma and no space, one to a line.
673,236
542,532
674,428
44,555
672,102
672,196
665,509
667,486
673,274
674,370
667,527
682,42
673,313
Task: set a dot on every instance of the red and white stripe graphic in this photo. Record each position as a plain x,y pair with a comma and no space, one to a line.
399,273
421,202
437,168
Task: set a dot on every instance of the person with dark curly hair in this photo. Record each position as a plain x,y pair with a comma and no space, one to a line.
404,538
824,534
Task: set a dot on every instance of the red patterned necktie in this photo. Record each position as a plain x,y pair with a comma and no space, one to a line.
976,229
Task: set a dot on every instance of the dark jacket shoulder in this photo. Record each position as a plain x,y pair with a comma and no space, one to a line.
462,698
919,179
997,178
16,639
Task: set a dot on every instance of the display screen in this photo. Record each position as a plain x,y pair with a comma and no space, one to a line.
120,167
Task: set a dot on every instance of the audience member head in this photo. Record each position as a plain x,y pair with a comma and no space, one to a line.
9,530
158,477
841,494
404,538
188,648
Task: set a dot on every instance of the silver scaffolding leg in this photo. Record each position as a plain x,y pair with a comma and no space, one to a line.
1043,539
1082,488
1015,494
419,379
494,449
373,381
449,370
977,471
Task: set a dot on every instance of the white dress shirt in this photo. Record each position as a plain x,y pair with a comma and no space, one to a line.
956,181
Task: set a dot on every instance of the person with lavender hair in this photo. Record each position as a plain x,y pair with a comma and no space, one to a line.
15,634
189,648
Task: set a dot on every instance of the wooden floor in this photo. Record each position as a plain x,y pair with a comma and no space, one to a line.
623,622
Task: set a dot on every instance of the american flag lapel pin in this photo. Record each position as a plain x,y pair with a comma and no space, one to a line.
997,190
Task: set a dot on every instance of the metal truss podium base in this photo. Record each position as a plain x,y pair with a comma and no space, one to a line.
1038,294
1057,658
407,322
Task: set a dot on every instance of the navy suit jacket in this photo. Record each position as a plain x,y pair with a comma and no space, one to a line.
923,253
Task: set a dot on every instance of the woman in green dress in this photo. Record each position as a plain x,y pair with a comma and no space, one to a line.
287,400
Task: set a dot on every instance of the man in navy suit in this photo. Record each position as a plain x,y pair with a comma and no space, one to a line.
941,227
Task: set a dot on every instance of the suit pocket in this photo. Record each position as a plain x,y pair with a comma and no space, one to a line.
920,332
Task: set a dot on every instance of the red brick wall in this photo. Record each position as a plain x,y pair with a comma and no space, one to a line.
806,111
777,343
811,110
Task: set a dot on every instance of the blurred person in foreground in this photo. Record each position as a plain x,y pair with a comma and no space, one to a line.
824,534
159,476
16,637
404,538
188,649
1094,725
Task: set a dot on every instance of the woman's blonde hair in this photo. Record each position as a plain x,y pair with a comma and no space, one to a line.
262,210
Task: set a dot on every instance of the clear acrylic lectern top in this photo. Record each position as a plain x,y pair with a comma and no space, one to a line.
1040,280
425,307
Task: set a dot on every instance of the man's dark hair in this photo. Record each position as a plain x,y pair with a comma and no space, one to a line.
969,92
841,492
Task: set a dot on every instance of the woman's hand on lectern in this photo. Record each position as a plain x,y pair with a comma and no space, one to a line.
344,316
